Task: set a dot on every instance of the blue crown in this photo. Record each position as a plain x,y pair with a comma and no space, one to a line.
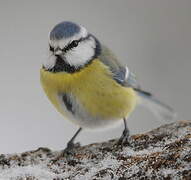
64,29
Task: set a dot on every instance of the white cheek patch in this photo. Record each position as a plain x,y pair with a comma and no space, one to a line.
80,55
50,62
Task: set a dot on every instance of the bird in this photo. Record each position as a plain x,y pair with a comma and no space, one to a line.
88,84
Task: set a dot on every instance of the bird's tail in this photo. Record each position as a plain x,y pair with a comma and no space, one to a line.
160,110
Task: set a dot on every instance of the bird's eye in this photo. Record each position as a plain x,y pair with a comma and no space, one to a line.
71,45
51,48
74,43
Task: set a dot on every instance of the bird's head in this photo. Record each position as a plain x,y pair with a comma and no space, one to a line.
71,47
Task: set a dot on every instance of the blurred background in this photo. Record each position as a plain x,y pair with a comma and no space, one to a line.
152,37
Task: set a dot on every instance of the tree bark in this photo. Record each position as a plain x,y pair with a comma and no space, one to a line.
163,153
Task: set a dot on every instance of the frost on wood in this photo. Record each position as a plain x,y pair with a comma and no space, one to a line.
163,153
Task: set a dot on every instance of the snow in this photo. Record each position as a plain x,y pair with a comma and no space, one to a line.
148,156
38,171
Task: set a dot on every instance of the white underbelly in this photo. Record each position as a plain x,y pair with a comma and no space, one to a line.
78,115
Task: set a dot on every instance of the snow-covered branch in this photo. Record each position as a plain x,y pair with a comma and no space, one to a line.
162,153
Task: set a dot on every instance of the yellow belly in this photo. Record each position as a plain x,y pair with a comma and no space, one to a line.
100,95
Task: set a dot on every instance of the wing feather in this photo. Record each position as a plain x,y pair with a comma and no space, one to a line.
126,78
120,72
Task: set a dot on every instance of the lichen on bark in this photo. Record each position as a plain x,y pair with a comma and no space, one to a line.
163,153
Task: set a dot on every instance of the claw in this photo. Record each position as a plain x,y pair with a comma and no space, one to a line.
124,139
70,147
69,150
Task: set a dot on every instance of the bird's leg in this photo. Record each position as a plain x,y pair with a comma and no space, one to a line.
125,135
70,144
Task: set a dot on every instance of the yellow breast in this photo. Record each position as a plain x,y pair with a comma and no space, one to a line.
93,86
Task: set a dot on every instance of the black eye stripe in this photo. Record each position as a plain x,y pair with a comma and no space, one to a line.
75,43
71,45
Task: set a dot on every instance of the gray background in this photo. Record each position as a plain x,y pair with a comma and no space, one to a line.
152,37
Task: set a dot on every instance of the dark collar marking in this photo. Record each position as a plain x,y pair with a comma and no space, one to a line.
97,48
61,66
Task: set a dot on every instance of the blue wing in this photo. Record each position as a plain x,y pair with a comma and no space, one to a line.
126,78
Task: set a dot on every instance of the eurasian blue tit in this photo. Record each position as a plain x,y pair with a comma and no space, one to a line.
86,82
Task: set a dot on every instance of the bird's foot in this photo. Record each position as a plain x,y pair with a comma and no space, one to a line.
124,140
69,150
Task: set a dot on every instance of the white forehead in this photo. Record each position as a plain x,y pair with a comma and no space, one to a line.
66,40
